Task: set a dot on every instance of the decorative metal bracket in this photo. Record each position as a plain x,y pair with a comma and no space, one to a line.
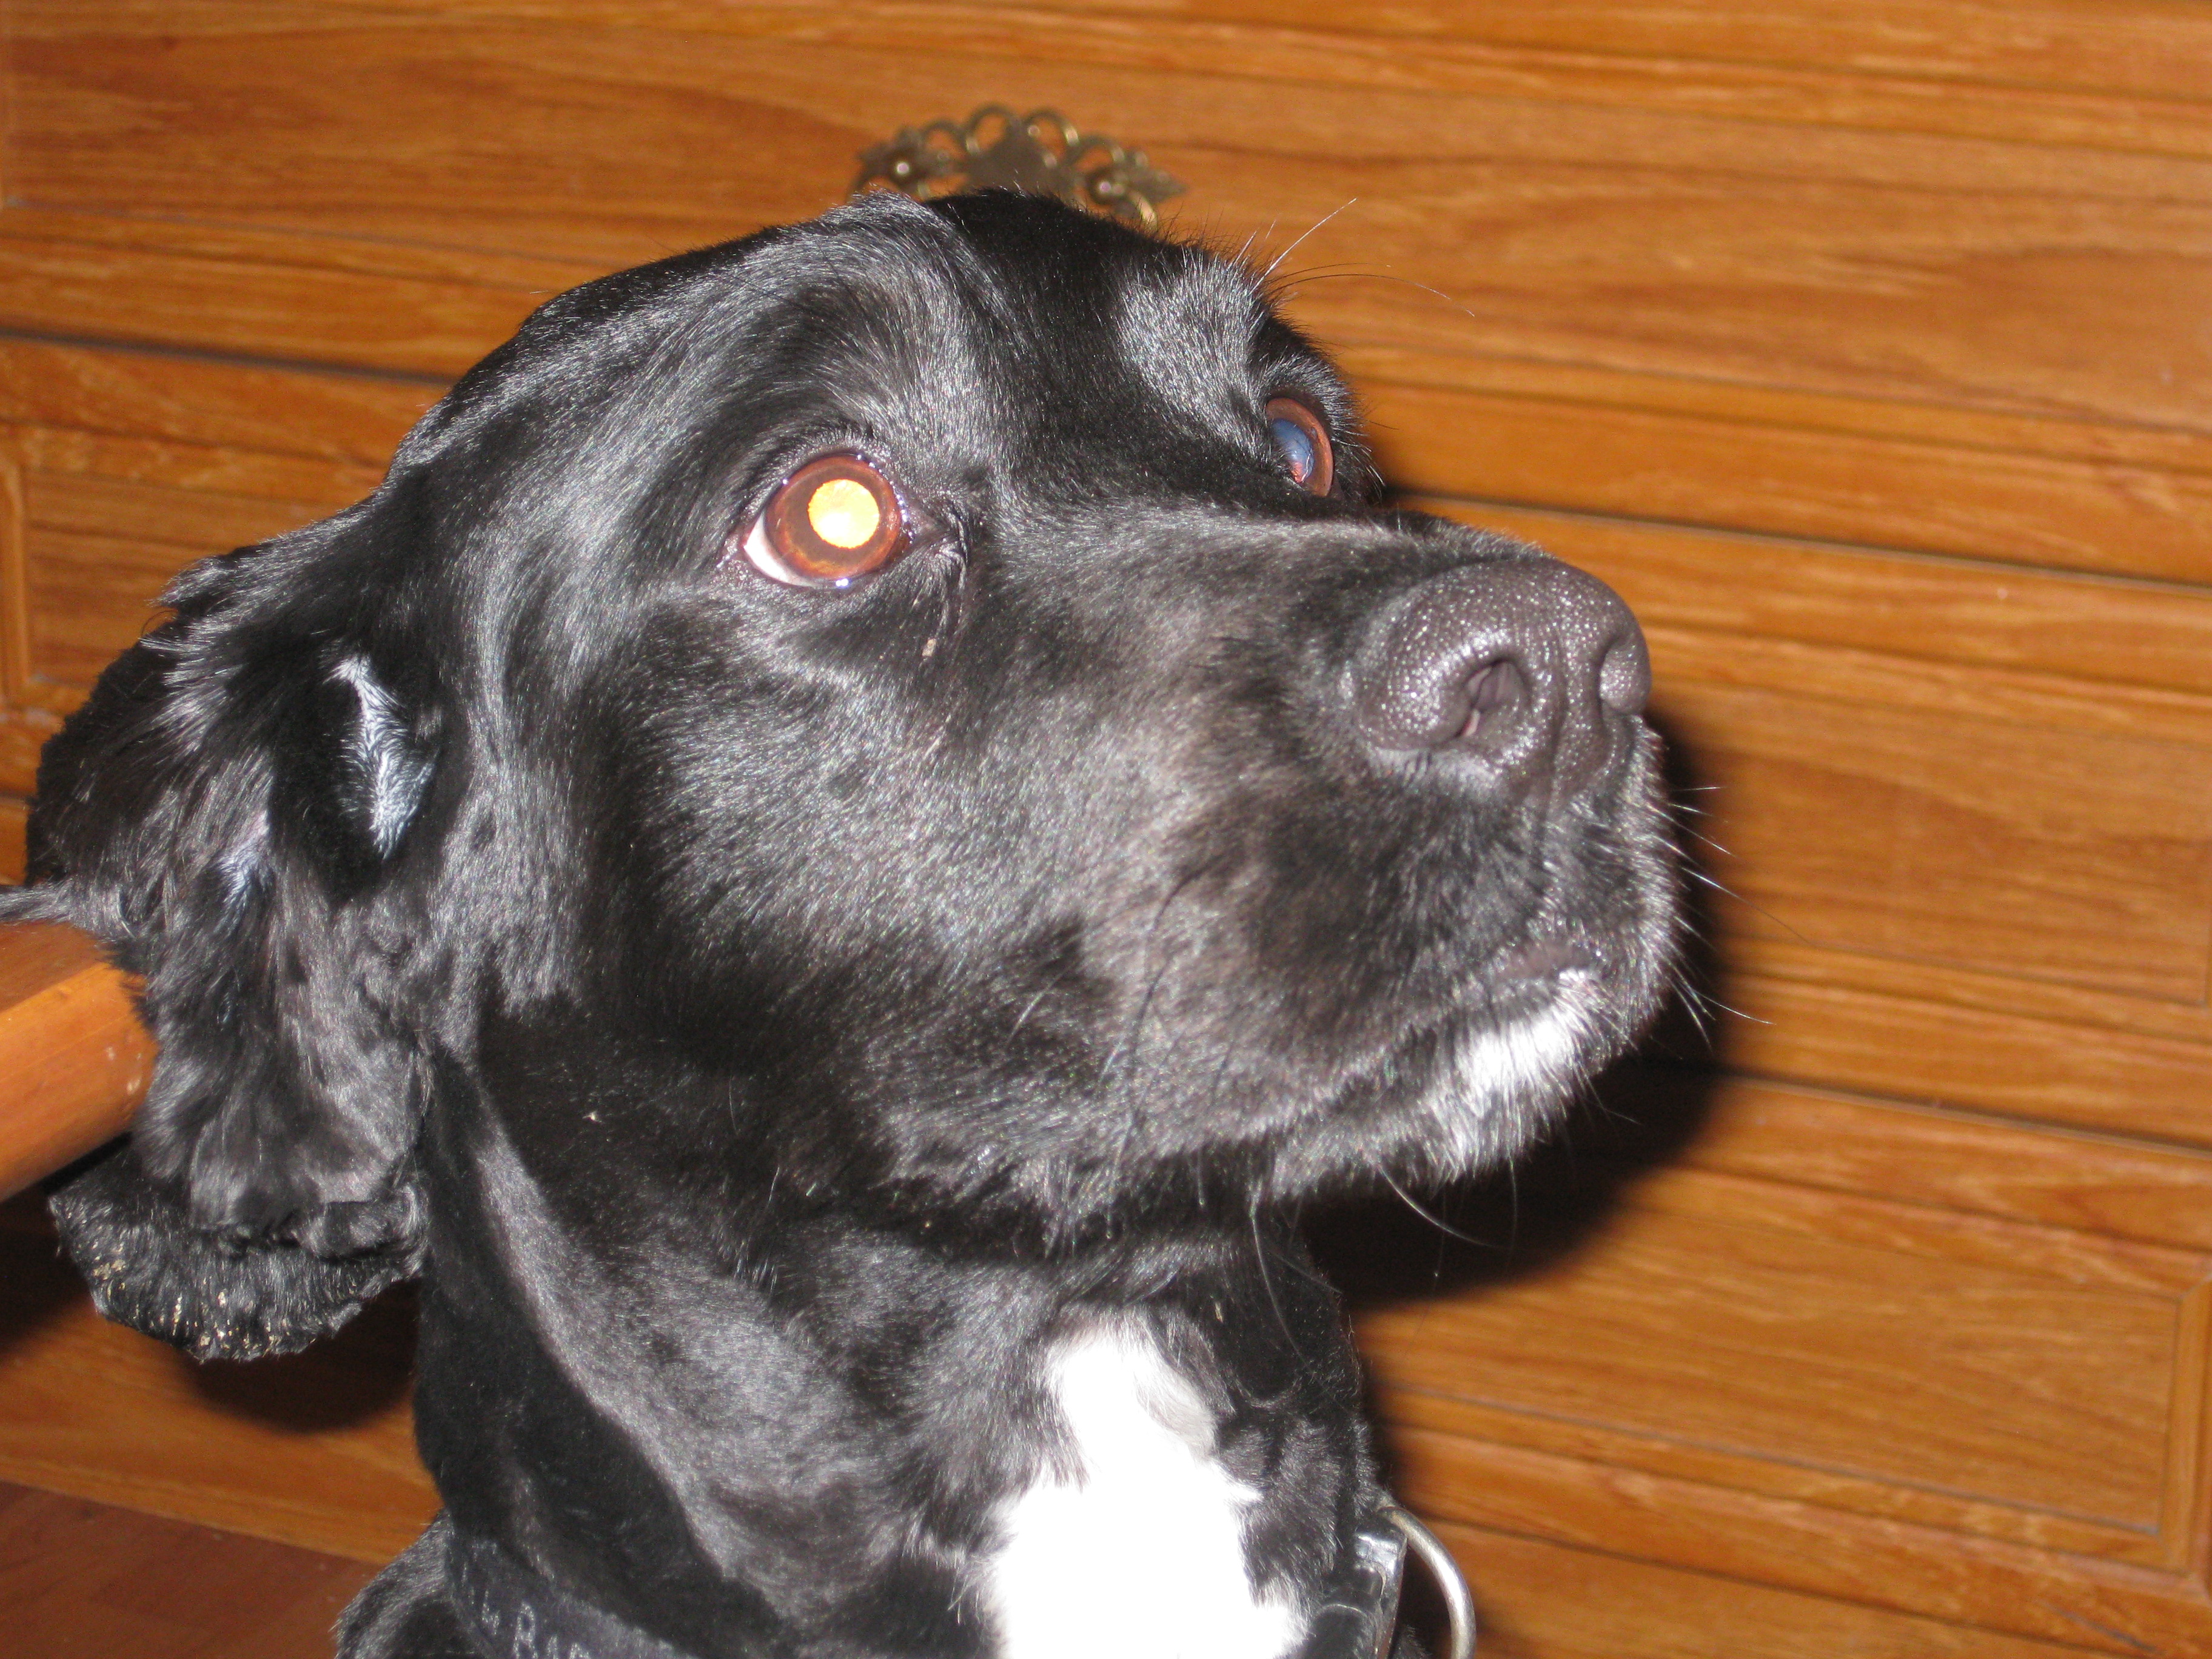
1042,152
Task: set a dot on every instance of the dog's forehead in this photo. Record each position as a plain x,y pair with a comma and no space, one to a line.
1190,330
1007,299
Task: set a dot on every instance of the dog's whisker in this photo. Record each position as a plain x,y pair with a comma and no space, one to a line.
1714,1002
1758,909
1260,1254
1693,1003
1459,306
1434,1220
1287,282
1701,1003
1706,841
1317,224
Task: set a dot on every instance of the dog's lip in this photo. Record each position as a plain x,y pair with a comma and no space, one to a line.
1541,961
1529,980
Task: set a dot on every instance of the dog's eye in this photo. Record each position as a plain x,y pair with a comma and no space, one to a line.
834,519
1302,439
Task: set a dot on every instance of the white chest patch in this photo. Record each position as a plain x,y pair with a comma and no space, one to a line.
1139,1550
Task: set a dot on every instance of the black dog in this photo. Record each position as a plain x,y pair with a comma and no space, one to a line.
861,818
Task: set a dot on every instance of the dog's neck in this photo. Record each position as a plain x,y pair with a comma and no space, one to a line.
850,1436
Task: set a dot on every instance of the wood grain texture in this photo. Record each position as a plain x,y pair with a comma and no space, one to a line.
13,814
1826,1140
2162,48
1650,1317
89,1580
148,404
1975,841
1888,1041
125,467
2087,635
1927,53
2020,276
1544,1600
253,295
1732,470
1884,1346
2008,1589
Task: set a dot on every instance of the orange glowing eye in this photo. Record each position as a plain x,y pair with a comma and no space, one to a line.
834,519
1303,441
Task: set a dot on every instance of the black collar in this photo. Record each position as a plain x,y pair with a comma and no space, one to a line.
1358,1611
510,1611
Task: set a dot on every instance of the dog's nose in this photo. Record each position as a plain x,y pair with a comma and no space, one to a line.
1524,662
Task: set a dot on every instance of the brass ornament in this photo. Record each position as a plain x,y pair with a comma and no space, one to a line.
1043,153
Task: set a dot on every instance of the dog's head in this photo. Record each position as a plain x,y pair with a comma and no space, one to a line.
920,711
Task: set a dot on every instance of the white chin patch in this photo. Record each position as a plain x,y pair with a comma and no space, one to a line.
1503,1080
1532,1057
1133,1548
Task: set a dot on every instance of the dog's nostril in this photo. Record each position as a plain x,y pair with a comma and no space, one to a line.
1624,678
1492,691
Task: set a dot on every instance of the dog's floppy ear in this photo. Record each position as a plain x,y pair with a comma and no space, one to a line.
230,813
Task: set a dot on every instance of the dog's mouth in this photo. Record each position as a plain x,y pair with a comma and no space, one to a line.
1561,953
1530,1025
1542,965
1544,961
1554,987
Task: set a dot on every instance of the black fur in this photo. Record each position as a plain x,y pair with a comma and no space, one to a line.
769,1018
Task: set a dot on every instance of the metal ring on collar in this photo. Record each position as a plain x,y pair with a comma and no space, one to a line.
1459,1600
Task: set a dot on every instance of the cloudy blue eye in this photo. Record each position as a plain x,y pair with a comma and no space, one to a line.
1303,441
1297,445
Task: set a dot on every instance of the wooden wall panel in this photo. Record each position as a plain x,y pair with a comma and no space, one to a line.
1580,1500
1861,348
1981,842
2022,276
2012,1382
91,396
1807,1020
2100,516
121,467
13,814
1543,1601
609,153
95,548
258,295
1794,473
2096,1185
2083,635
1608,1385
